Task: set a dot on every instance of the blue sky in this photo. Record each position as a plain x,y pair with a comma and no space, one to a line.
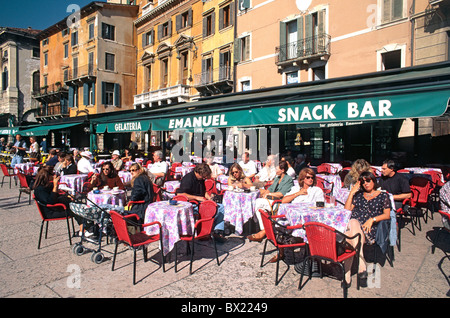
38,15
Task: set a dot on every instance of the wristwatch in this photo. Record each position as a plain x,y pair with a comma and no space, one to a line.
374,219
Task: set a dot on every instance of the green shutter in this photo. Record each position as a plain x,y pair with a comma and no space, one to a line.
71,95
117,95
103,93
237,50
283,47
85,94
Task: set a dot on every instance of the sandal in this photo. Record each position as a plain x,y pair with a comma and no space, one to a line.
253,238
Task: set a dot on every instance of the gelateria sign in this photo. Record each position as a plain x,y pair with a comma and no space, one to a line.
396,106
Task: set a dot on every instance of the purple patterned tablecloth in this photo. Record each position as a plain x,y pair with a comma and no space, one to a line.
183,170
74,181
176,220
112,197
125,176
26,168
335,178
239,207
301,213
170,187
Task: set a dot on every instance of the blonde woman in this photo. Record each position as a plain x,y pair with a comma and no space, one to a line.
141,190
358,167
237,178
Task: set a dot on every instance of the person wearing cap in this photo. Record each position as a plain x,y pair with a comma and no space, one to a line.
84,164
116,161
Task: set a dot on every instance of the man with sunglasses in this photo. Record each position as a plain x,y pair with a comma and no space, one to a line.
394,183
192,186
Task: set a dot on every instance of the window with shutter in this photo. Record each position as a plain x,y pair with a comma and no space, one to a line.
109,61
108,31
392,10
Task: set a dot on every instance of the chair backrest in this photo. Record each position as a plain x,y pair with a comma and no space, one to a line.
324,185
23,180
420,189
206,210
120,226
268,227
39,207
180,197
210,185
435,177
4,170
321,240
323,168
157,193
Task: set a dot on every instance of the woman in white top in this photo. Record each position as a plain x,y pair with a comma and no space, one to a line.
306,191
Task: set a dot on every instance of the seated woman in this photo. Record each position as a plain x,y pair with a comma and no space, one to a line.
107,177
369,206
306,191
141,190
237,178
358,167
281,185
46,192
69,166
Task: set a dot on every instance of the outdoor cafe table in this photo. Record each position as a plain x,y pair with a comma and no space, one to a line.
169,189
107,197
26,168
421,170
301,213
335,178
74,182
239,208
125,176
183,170
175,220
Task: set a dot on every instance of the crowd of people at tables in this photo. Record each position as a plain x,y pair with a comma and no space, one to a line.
368,200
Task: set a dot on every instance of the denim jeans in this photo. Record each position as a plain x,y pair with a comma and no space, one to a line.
219,223
15,160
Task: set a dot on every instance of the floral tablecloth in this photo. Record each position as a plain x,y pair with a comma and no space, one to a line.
239,207
183,170
301,213
110,197
175,220
26,168
74,182
125,176
169,189
335,179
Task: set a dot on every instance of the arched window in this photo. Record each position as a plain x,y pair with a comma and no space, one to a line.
36,81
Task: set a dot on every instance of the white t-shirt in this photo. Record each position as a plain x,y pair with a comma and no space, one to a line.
249,167
314,194
84,166
267,174
159,167
291,172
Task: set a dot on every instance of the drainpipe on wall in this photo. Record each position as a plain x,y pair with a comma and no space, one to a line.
236,8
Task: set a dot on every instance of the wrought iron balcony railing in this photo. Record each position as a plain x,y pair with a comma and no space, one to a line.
318,45
221,74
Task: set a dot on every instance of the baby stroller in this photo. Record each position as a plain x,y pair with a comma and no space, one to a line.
99,215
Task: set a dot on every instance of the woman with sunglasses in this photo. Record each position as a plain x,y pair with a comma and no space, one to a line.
237,178
369,206
141,190
107,177
306,191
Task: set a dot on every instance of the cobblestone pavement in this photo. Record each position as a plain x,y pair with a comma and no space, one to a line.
54,271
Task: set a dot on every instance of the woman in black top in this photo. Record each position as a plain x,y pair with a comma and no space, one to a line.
46,192
369,206
141,190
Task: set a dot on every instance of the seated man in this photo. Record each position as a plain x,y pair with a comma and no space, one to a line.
248,165
192,185
394,183
266,174
52,159
116,161
159,168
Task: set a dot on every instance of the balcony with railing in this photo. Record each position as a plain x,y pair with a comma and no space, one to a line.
304,51
216,81
82,73
168,95
50,93
53,111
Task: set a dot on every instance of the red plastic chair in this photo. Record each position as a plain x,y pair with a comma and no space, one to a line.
269,226
58,207
211,187
157,193
134,241
6,173
202,230
325,186
436,183
23,183
421,189
324,168
322,246
171,174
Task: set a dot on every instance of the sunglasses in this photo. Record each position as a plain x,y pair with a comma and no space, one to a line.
235,172
309,177
132,170
106,169
365,180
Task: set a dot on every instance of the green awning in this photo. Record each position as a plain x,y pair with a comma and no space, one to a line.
45,130
8,130
125,126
